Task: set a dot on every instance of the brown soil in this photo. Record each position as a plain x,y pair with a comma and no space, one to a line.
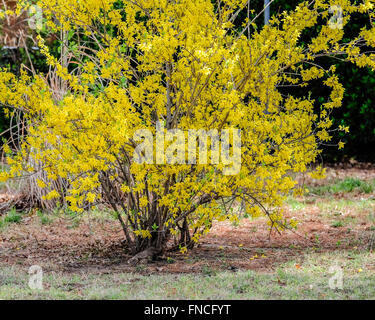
97,246
100,247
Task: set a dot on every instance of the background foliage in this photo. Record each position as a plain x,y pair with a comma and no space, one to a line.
358,110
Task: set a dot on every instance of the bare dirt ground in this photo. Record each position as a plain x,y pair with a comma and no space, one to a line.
96,245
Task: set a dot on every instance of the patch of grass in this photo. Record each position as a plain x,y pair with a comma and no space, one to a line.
347,211
11,217
348,184
74,218
345,185
309,281
294,204
208,271
367,187
44,218
97,215
337,224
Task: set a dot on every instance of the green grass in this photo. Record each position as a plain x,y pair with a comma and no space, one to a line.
44,218
346,212
337,224
339,212
294,204
334,208
345,185
309,281
11,217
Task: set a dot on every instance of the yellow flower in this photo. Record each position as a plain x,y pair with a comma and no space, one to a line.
41,183
52,195
90,197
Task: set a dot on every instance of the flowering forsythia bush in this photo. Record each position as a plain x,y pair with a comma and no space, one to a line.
130,65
